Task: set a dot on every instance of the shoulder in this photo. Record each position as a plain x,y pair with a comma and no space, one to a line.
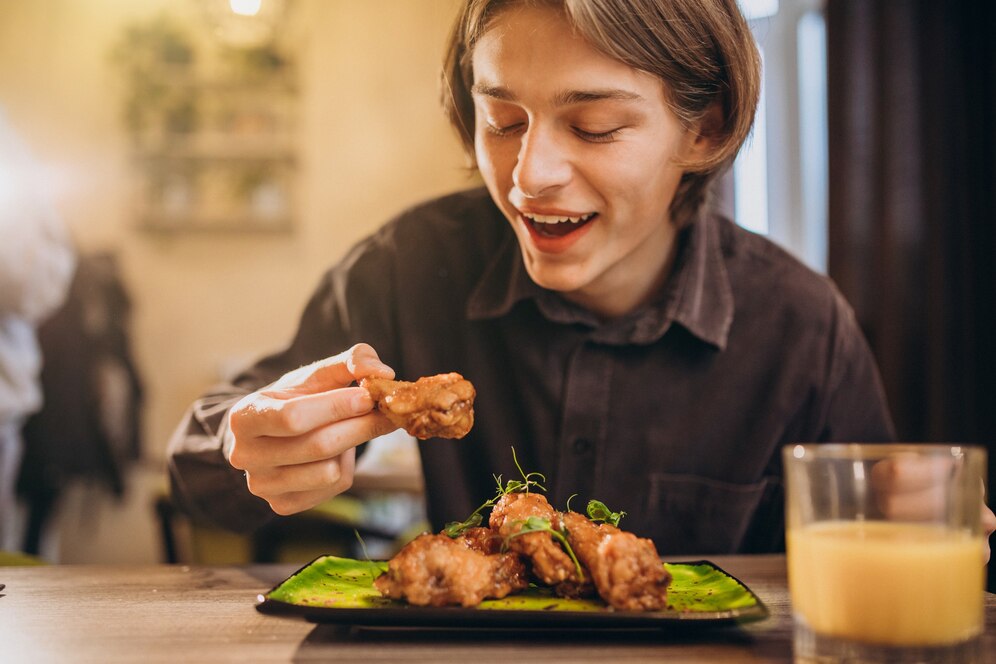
455,235
795,320
748,254
448,220
766,277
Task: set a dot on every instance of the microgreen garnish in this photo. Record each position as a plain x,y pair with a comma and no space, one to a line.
519,486
536,524
456,528
567,508
363,546
597,511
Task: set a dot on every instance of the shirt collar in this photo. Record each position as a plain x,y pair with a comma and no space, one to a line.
697,296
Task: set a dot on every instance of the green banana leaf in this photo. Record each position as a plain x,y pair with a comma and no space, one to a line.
330,585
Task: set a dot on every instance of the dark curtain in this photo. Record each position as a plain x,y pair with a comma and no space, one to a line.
912,127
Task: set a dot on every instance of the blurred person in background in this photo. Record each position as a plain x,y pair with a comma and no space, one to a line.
36,265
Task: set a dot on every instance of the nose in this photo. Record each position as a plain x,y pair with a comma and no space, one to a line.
542,165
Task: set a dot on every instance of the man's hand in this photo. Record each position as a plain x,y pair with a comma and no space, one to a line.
911,488
296,439
988,525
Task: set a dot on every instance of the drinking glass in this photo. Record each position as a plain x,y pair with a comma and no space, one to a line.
885,551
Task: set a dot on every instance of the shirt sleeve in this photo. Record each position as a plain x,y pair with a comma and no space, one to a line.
855,403
352,304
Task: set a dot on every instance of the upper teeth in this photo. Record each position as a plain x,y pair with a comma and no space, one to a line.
555,219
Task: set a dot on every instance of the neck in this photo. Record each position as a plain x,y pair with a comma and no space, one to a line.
615,298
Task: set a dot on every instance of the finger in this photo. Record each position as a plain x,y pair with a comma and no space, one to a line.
291,498
331,373
902,473
300,477
988,526
300,501
363,361
265,415
323,443
988,521
924,505
358,362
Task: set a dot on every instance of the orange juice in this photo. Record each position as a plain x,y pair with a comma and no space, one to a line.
887,583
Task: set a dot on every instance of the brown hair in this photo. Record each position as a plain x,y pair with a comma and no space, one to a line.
702,50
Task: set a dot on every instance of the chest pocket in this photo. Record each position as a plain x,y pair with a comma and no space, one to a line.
696,515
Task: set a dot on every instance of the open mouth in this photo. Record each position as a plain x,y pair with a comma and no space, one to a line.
546,225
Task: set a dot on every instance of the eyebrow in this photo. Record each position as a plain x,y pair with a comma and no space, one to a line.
564,98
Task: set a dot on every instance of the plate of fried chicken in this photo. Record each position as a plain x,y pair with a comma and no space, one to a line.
531,565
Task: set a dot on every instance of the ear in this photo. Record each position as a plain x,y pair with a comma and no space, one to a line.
706,135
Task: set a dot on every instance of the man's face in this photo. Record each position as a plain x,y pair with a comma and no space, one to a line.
578,150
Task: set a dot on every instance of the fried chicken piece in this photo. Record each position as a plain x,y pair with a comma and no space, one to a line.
573,587
550,564
435,570
440,406
485,540
625,568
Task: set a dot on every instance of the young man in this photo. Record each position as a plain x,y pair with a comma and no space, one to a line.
630,345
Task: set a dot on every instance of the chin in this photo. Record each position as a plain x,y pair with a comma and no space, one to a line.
556,278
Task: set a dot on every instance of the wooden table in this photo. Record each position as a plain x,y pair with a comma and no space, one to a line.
174,613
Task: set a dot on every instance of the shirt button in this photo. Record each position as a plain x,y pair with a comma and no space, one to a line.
582,446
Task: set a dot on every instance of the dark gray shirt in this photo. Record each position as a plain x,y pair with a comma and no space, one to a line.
675,414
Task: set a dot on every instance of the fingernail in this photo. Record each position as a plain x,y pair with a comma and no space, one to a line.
362,403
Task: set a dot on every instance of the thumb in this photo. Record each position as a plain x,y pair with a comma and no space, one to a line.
362,361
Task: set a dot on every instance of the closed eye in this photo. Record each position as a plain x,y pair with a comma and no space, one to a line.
506,130
597,137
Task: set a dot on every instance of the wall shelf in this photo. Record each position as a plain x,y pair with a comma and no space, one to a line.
213,131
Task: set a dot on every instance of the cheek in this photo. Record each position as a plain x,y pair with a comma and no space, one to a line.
492,160
650,174
481,153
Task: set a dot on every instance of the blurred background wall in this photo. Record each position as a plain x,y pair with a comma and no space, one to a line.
369,140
